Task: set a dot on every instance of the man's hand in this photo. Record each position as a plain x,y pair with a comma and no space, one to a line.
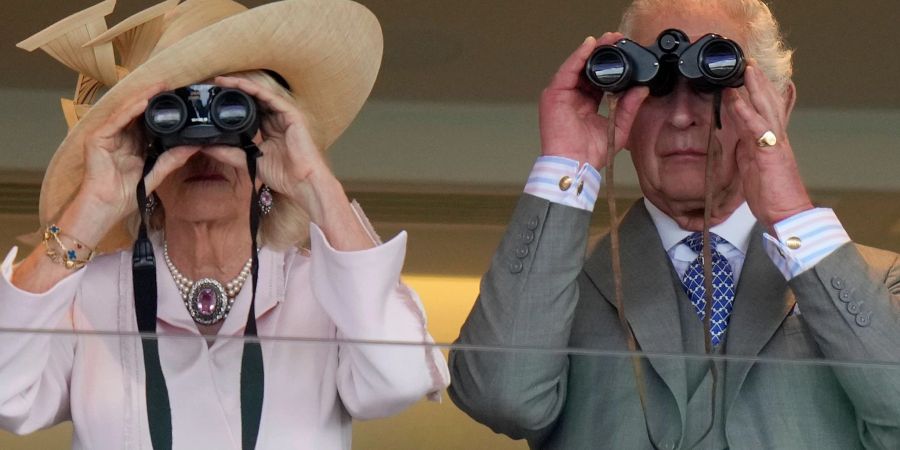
771,180
570,125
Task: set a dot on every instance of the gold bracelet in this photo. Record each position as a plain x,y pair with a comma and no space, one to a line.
73,257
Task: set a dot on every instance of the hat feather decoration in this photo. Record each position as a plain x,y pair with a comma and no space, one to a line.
83,43
65,40
136,36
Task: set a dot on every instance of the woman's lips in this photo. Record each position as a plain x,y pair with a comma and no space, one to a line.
201,168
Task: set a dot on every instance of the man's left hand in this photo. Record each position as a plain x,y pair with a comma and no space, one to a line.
771,179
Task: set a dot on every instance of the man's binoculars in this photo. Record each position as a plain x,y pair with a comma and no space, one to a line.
202,114
711,63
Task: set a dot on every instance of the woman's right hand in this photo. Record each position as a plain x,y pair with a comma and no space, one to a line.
113,164
569,122
114,161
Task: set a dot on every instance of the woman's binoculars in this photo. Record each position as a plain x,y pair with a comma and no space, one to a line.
711,63
202,114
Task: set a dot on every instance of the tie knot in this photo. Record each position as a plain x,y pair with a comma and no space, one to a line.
695,241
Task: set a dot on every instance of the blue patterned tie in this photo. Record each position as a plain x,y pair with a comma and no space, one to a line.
723,285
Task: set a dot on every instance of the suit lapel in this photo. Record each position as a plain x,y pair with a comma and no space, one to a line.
649,295
761,303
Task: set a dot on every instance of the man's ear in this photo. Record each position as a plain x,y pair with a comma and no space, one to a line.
789,96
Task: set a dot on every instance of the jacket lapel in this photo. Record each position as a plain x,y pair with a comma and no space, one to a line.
270,288
761,303
649,296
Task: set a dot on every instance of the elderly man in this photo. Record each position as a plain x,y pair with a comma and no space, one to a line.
805,290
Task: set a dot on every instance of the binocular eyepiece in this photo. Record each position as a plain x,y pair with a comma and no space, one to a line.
711,63
202,114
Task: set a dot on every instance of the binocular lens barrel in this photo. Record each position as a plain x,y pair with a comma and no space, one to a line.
232,110
165,113
720,59
608,68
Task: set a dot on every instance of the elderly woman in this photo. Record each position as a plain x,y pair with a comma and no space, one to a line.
208,392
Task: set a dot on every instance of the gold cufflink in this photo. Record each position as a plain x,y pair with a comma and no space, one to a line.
580,187
793,242
565,183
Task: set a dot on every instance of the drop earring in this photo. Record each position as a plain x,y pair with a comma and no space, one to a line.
151,204
266,200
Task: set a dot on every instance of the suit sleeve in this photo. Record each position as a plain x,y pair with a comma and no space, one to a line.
851,302
527,301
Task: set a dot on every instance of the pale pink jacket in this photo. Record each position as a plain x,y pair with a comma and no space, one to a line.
313,388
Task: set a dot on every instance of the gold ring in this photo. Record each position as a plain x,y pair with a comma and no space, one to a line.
767,139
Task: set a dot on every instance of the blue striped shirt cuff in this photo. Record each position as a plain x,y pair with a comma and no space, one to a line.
804,239
561,180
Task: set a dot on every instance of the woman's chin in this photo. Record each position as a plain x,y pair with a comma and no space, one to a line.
207,214
209,204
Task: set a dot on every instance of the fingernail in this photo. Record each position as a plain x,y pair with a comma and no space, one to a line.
588,39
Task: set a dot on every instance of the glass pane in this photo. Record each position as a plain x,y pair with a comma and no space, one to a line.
558,397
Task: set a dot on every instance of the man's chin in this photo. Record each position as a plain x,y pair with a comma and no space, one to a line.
684,192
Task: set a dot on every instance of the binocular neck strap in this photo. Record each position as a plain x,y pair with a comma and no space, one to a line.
252,374
143,270
717,109
636,367
713,156
143,266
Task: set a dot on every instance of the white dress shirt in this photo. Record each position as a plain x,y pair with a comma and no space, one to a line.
735,231
799,243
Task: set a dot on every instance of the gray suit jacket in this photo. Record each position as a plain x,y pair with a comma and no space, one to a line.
541,293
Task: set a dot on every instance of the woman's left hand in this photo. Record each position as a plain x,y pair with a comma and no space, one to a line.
771,180
292,164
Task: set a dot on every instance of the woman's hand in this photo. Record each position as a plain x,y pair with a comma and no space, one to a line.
113,164
292,164
771,179
287,145
570,125
114,161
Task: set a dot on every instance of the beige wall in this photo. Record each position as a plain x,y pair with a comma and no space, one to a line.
483,146
493,144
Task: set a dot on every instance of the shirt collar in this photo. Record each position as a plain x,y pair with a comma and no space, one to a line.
736,229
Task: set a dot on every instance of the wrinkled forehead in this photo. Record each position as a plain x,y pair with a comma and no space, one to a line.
694,20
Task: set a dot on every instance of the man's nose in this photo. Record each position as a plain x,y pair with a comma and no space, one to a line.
688,108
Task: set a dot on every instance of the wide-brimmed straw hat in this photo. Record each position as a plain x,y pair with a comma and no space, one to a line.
328,52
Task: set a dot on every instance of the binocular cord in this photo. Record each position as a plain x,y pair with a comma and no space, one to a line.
713,156
159,414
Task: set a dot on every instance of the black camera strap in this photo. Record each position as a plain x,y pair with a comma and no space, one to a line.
143,270
252,373
159,413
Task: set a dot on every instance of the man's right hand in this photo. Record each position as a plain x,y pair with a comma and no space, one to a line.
570,124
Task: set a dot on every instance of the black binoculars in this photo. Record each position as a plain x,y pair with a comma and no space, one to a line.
711,63
202,114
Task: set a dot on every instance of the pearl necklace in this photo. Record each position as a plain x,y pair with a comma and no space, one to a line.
206,299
